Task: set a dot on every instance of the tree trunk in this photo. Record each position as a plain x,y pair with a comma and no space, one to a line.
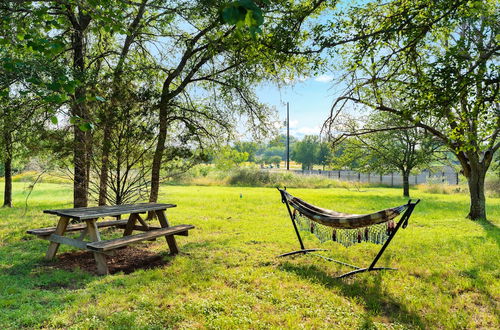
7,197
7,135
80,160
476,191
81,141
155,170
406,183
157,158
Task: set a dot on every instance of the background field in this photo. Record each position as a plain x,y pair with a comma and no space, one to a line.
227,275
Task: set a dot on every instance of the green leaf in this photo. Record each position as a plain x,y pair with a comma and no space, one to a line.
54,120
54,98
86,127
55,86
69,87
99,98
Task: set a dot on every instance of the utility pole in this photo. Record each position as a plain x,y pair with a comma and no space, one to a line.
287,137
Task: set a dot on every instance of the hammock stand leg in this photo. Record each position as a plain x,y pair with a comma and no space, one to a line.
402,222
302,250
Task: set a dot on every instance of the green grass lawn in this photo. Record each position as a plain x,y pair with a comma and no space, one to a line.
227,275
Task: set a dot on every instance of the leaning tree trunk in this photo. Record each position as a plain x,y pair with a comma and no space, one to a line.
158,156
475,181
155,170
406,183
7,197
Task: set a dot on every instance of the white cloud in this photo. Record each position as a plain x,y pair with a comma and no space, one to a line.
324,78
294,123
301,131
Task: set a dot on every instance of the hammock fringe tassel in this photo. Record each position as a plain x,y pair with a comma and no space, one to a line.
346,229
376,234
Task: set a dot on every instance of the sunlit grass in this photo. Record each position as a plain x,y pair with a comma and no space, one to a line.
227,275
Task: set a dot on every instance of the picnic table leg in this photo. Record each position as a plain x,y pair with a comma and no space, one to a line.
130,224
100,259
60,229
172,244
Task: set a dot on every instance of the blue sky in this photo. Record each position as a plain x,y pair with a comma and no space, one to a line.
310,102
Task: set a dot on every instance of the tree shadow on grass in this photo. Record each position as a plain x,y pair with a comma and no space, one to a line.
376,301
492,230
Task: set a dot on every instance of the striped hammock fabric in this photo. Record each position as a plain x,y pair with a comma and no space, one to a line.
338,219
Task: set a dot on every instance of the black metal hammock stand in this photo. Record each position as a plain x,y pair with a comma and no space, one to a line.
344,228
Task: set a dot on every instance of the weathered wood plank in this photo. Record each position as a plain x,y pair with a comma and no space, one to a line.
126,240
100,259
60,229
139,228
84,213
76,227
172,244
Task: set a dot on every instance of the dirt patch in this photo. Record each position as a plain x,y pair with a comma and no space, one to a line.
126,260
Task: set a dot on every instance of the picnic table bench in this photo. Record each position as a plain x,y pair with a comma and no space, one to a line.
90,227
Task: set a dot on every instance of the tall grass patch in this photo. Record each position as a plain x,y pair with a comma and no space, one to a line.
254,177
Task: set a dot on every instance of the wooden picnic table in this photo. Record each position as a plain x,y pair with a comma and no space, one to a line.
90,228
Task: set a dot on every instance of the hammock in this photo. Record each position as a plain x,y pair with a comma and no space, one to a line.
341,220
345,228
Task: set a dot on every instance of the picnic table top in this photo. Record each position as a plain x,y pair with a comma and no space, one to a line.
84,213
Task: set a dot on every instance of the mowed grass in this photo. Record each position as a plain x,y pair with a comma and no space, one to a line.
228,276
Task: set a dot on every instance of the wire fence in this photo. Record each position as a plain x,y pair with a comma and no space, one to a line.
446,175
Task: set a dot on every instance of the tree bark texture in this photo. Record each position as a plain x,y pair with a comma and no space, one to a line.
81,141
7,196
477,197
474,168
406,184
158,155
7,136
